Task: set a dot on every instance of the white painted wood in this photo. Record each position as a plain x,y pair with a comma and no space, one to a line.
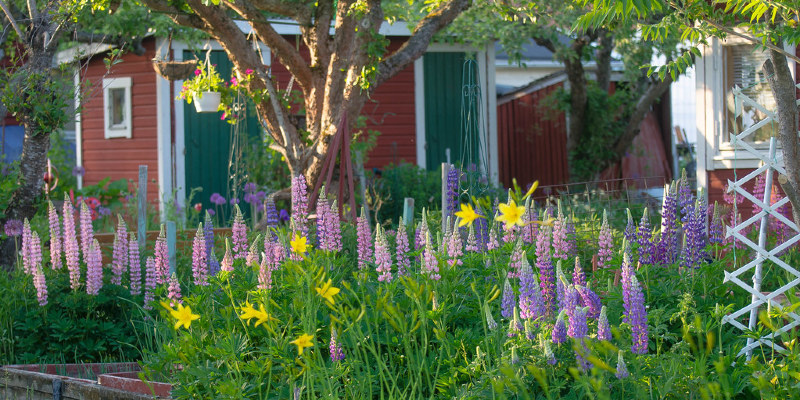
419,110
125,128
78,126
491,116
164,136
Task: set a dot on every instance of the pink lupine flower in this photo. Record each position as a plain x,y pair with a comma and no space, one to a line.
383,259
150,280
71,251
161,257
333,228
199,258
472,240
560,241
300,205
94,269
515,263
401,249
493,242
422,232
239,235
120,253
252,253
455,248
55,237
265,270
40,285
227,259
34,251
430,263
323,210
87,231
135,266
174,291
578,276
364,237
27,253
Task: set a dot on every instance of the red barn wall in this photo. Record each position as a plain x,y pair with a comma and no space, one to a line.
532,140
119,158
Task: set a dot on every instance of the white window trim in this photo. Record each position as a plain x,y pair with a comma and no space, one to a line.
125,130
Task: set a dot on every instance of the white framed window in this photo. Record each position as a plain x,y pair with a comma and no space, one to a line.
117,111
743,68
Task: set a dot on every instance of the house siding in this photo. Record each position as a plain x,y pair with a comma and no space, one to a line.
119,158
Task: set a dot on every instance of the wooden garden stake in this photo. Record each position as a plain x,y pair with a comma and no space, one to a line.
445,172
408,211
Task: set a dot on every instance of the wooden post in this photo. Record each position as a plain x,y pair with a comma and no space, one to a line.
171,246
142,206
408,211
445,171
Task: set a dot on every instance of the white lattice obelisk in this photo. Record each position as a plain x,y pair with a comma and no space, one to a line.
772,162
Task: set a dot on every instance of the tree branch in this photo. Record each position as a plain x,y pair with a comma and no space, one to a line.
176,15
415,46
11,18
753,40
32,11
296,11
546,43
119,41
646,100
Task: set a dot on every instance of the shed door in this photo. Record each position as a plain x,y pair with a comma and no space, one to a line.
443,76
208,141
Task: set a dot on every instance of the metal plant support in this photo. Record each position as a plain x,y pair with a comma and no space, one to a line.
772,162
474,148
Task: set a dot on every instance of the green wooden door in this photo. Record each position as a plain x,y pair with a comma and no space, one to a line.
443,77
211,159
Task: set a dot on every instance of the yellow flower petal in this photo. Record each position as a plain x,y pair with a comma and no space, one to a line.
302,342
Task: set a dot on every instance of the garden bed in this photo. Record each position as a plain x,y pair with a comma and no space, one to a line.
78,381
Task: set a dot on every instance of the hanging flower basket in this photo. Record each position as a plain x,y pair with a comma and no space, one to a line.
174,70
207,102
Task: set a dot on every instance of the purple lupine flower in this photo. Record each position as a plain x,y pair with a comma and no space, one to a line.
637,318
482,230
271,213
453,177
364,237
455,247
508,301
605,244
715,230
578,276
383,260
515,261
685,196
199,257
335,348
161,256
545,266
559,334
401,248
668,245
40,284
27,241
87,231
174,291
71,252
572,300
55,237
208,237
626,273
239,235
34,257
591,300
578,327
490,322
644,238
94,269
227,259
333,228
603,327
323,209
430,264
630,228
283,215
694,251
531,304
253,253
300,205
421,233
150,280
493,243
217,199
13,228
134,265
78,171
264,270
622,369
472,241
120,253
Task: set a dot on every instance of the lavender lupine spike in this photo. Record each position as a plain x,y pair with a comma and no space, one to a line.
364,238
630,228
35,252
161,256
271,213
545,266
578,325
626,273
668,244
323,211
591,300
572,300
578,276
174,291
685,197
421,232
493,243
239,235
637,318
430,263
694,252
559,334
94,269
120,252
644,238
71,250
27,241
508,301
605,244
401,249
603,327
199,258
531,304
383,260
482,230
334,227
715,230
335,348
134,265
622,369
150,281
300,205
56,241
208,237
87,231
490,322
40,284
227,259
453,177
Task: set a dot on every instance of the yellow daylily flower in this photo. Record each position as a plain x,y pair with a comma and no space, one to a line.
467,215
327,291
183,315
511,214
261,315
547,222
531,190
299,244
302,342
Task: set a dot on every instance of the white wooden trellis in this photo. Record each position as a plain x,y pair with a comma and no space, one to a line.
772,162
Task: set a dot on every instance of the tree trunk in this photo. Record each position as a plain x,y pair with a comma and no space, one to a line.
783,89
578,99
604,60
